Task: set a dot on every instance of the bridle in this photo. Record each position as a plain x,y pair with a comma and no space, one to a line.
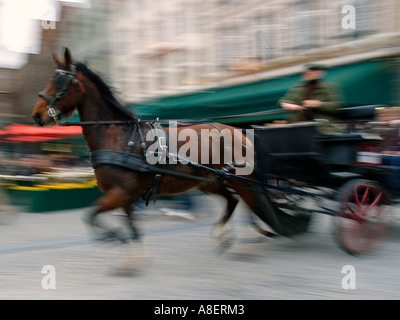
62,80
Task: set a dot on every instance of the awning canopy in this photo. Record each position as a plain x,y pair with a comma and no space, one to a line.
364,83
26,133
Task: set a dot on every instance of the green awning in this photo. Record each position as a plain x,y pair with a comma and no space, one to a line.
228,102
367,83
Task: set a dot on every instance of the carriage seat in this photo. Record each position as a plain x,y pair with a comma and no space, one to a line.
293,138
362,113
288,149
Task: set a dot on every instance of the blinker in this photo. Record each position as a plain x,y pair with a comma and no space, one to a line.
60,80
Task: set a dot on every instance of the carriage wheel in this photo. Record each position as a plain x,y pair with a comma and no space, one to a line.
363,217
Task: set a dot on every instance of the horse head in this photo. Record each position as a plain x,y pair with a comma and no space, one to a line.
61,96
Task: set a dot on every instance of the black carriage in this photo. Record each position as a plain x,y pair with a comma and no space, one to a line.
305,172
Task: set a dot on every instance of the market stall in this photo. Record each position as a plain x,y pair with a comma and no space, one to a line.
46,168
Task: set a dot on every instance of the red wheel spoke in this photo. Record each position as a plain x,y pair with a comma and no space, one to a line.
357,201
364,199
378,213
373,204
361,213
349,207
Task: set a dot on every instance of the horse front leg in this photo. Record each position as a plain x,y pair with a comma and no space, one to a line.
130,223
106,203
133,253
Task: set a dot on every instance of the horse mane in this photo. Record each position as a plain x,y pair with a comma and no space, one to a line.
121,112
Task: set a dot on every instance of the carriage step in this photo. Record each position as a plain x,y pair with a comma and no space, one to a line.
345,175
331,208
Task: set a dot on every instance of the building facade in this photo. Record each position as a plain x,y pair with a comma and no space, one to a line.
170,47
150,49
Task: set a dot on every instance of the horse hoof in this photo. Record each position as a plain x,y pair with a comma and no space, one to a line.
224,238
106,236
217,231
221,232
224,245
125,238
132,263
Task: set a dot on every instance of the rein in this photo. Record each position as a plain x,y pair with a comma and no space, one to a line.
181,121
122,122
88,123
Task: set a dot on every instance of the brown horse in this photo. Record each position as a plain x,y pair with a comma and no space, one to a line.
107,125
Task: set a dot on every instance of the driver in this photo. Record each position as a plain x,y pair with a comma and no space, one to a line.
313,98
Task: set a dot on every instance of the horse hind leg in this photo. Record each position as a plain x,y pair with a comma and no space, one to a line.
130,223
101,231
231,205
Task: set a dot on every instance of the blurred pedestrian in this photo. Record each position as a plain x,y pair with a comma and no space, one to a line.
181,207
389,122
183,204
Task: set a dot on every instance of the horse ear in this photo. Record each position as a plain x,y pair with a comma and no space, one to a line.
67,58
56,60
